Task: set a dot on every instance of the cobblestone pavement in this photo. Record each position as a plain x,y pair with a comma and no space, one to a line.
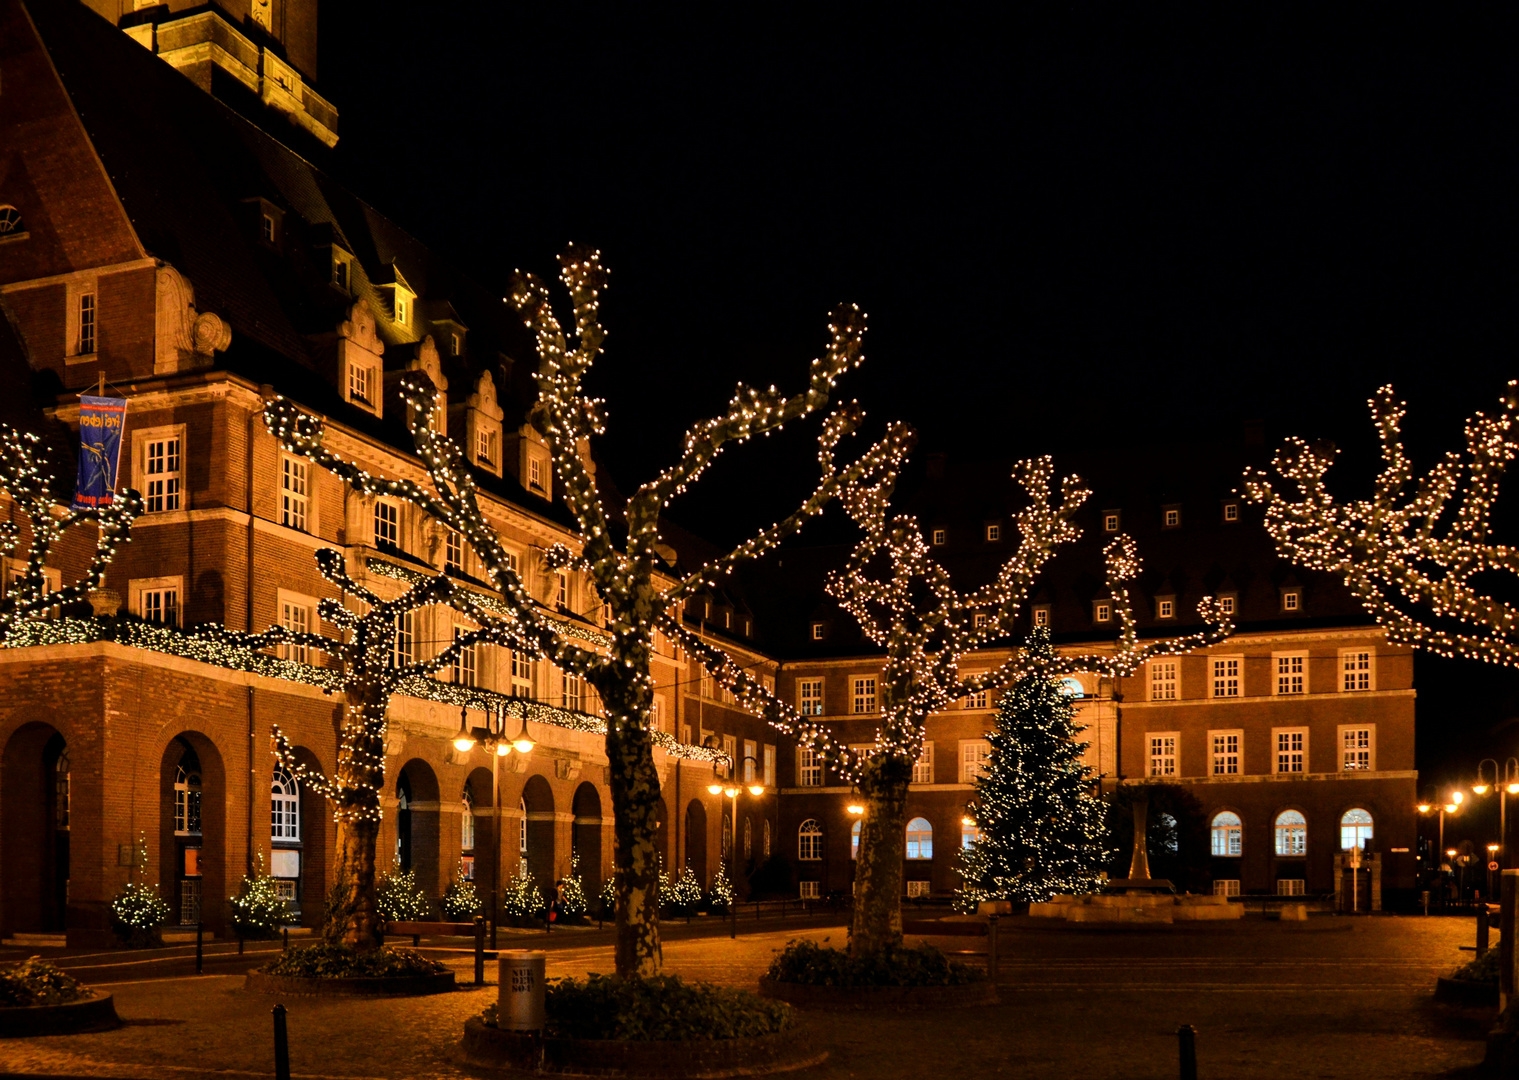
1327,999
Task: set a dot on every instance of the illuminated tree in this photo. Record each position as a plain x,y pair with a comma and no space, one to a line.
1418,555
1042,830
29,483
618,556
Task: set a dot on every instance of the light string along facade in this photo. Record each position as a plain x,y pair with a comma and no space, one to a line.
1415,552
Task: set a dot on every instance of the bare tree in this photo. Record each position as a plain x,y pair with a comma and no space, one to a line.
618,556
29,482
1418,554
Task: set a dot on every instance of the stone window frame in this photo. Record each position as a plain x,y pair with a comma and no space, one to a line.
1163,749
143,440
1350,656
1220,678
286,603
1163,678
1220,756
173,585
1282,673
1226,840
923,768
1279,750
1344,751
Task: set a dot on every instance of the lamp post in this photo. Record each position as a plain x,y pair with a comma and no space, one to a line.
492,738
1492,860
1507,784
1430,804
731,787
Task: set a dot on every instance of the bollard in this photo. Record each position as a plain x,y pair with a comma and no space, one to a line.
239,944
199,949
281,1046
733,916
479,950
521,989
1187,1036
287,939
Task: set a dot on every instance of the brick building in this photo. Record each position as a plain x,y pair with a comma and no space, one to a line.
172,235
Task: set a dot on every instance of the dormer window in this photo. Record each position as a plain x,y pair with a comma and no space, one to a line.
1231,511
1170,517
455,344
819,631
1292,599
341,272
1042,615
267,228
1111,520
485,447
940,537
403,309
11,226
535,474
993,533
1102,611
361,384
1165,607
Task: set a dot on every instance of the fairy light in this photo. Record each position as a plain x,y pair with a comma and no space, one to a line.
1415,552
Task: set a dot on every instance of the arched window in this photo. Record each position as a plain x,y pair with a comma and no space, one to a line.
748,839
1291,833
61,792
1355,829
854,840
10,220
920,839
970,834
467,820
522,832
766,834
1071,687
1228,833
403,822
809,841
187,797
284,807
727,837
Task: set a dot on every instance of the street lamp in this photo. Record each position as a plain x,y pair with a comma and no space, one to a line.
1432,804
492,737
1506,786
1492,860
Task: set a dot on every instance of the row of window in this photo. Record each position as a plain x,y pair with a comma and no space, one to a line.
1289,675
1290,833
973,757
1112,522
920,839
1357,745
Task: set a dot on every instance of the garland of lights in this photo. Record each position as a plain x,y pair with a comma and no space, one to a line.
29,484
1413,554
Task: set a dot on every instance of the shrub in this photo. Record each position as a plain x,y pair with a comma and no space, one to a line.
36,982
607,901
461,900
137,913
572,902
659,1007
1483,969
523,899
257,911
684,897
814,964
399,898
326,961
721,898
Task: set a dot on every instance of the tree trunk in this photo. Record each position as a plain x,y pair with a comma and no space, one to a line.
878,867
635,813
353,919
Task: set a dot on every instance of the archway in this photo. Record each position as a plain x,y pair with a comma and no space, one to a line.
301,858
480,863
585,835
417,824
538,805
696,840
34,845
192,830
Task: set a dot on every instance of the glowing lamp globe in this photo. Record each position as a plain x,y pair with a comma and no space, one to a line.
1456,797
731,791
1479,789
716,789
855,808
756,789
503,748
1424,808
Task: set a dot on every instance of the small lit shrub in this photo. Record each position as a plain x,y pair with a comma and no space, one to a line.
660,1007
138,913
523,901
461,900
399,898
721,898
572,902
814,964
36,982
326,961
257,911
684,897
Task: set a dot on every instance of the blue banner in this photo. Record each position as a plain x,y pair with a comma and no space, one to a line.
101,420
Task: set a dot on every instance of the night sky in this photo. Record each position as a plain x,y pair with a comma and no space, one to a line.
1067,226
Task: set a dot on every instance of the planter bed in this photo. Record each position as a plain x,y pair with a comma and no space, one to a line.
373,986
781,1051
97,1013
1466,992
811,996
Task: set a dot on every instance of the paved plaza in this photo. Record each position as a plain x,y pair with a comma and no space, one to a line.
1330,998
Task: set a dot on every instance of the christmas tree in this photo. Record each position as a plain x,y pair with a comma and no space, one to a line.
1041,828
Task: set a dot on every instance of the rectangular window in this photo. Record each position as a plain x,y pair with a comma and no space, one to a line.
1041,616
1163,753
1290,886
769,760
1358,748
864,695
809,767
976,700
751,760
1226,886
974,754
295,617
923,768
162,465
562,590
1165,608
465,662
1102,611
295,492
940,537
485,447
810,890
574,693
1226,603
980,620
1110,521
360,384
404,647
993,533
401,312
1164,682
534,474
1292,599
1171,518
1356,671
1291,673
819,631
1231,511
1291,749
917,890
1226,676
387,525
1225,752
160,605
266,228
521,667
340,272
86,324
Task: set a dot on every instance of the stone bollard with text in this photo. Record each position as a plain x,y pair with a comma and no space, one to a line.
522,975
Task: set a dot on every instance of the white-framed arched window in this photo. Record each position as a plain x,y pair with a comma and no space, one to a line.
920,839
748,839
467,820
522,832
1228,833
809,841
1291,833
187,801
765,832
284,807
1355,829
854,840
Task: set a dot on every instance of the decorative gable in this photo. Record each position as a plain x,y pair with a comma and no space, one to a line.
360,367
184,339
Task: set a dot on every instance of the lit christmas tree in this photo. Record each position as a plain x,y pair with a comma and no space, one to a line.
1041,827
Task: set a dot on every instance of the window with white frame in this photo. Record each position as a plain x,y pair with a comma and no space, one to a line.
1225,750
453,552
1231,511
284,808
295,492
1292,599
809,841
993,533
1042,615
161,466
854,839
1170,517
1163,753
403,308
979,620
940,537
1165,684
1226,676
1290,887
403,651
1226,886
387,524
467,820
923,768
978,700
1358,748
1228,834
1291,833
1291,749
751,760
187,796
535,473
361,383
864,698
1226,603
1102,611
1356,670
819,631
768,758
561,590
730,750
1111,520
574,691
1355,829
466,662
1291,672
920,839
485,446
1165,607
974,754
809,767
918,890
340,271
810,890
298,615
84,341
970,834
157,600
522,830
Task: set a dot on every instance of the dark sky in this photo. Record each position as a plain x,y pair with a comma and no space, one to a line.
1068,225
